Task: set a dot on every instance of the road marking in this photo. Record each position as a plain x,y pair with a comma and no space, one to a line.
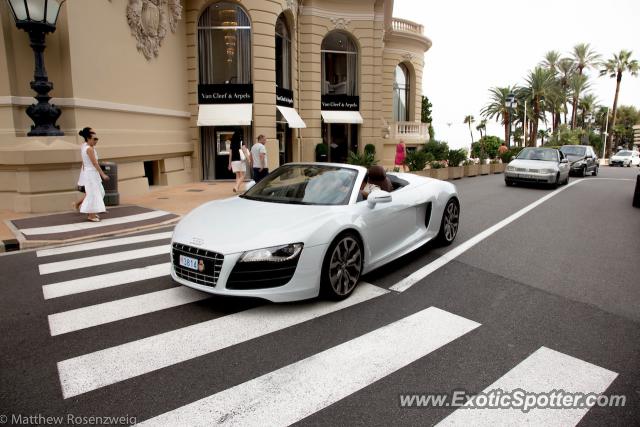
544,371
66,228
92,261
103,244
415,277
86,284
289,394
99,314
109,366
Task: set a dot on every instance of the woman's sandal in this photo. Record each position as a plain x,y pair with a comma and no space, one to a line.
94,219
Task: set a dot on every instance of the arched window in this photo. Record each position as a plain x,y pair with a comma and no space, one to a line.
339,65
224,45
401,94
283,54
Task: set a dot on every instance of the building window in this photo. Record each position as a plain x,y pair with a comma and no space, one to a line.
283,54
401,94
224,45
339,65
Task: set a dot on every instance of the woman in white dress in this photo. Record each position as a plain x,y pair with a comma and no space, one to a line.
92,177
238,158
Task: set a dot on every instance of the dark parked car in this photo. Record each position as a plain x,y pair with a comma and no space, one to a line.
582,159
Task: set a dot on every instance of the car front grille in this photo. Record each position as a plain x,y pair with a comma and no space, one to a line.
212,262
261,274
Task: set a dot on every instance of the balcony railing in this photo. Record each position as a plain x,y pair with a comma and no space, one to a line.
403,25
410,130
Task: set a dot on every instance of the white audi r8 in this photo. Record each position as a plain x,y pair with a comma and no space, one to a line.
307,230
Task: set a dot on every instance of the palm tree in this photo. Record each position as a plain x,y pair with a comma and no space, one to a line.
550,61
542,134
540,83
577,84
583,57
482,127
615,67
496,106
565,69
587,105
469,120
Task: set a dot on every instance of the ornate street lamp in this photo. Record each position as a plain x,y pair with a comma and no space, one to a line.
37,18
511,103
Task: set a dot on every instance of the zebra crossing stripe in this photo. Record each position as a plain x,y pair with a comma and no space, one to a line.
92,261
101,244
544,371
99,314
105,367
86,284
66,228
289,394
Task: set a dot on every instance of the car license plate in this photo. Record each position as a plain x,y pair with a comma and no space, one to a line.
189,262
526,176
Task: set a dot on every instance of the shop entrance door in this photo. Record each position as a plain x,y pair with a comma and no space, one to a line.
342,138
216,143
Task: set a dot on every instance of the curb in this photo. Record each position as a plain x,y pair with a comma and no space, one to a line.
9,245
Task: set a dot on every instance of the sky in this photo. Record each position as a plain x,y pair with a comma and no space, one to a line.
478,45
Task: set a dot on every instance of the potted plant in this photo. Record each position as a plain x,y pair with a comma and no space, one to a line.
485,168
416,161
439,170
321,152
496,166
470,168
456,157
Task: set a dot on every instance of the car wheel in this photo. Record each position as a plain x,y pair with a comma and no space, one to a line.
595,171
508,182
450,223
584,171
341,267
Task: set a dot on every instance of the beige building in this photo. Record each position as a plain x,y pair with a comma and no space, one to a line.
166,83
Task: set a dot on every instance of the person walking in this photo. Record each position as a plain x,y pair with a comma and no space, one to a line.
76,205
401,154
92,177
259,158
238,159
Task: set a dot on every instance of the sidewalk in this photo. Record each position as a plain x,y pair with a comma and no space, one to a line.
161,206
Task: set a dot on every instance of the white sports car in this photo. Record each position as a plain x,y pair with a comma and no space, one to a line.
306,229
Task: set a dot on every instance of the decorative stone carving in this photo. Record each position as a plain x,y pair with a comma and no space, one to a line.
293,5
408,56
340,23
149,21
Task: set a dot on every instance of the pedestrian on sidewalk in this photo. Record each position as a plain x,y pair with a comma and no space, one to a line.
401,154
76,205
259,157
92,177
238,159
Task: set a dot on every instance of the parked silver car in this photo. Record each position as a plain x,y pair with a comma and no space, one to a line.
538,165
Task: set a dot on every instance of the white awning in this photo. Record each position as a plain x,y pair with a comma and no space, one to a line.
330,116
225,114
292,117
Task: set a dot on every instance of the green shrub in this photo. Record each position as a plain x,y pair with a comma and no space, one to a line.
506,156
457,156
366,159
417,160
436,164
486,147
370,149
321,152
439,150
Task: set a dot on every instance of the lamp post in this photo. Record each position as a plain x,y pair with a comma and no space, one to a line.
511,103
588,118
37,18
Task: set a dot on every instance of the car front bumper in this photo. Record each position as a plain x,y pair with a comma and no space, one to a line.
304,284
534,177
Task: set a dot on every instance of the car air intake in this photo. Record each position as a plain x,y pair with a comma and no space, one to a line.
211,264
261,274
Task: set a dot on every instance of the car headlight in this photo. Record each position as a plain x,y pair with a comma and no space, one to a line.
511,168
273,254
578,163
547,171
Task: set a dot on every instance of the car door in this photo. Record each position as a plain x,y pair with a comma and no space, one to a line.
388,227
591,160
563,168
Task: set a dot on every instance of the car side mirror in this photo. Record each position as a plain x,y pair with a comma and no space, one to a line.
378,196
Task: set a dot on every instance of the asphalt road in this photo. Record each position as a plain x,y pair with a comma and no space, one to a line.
563,276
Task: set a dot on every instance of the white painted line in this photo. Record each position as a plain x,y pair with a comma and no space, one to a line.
544,371
99,314
66,228
415,277
289,394
103,244
109,366
86,284
92,261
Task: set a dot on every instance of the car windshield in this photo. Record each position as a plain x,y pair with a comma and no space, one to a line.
305,185
623,153
545,154
569,150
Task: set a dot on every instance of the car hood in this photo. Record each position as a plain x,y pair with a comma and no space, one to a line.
574,158
620,157
235,225
533,164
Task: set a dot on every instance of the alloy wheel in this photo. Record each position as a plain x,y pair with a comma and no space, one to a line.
451,221
345,266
